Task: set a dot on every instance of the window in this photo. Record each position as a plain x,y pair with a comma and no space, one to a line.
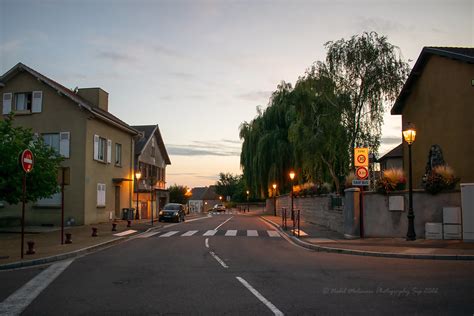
52,140
118,154
152,148
100,194
59,142
23,101
102,149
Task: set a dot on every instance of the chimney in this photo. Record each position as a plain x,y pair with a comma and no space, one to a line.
96,96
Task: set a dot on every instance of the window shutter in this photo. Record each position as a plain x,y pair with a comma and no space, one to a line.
64,138
103,194
37,103
96,147
109,151
7,103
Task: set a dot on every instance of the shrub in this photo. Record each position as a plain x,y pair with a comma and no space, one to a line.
392,179
348,183
440,178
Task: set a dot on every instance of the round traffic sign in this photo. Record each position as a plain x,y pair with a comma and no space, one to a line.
362,173
361,158
27,160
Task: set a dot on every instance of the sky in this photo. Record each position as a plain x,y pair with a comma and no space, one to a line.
199,69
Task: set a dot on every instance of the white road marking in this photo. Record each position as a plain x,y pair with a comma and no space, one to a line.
189,233
252,233
223,223
218,259
125,233
262,299
16,303
147,235
210,232
231,232
207,242
168,234
273,233
196,219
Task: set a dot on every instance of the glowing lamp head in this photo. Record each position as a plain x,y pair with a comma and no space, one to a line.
409,134
138,175
248,192
292,175
274,186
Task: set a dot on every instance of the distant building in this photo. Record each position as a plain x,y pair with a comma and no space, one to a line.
438,97
97,147
392,159
203,199
151,159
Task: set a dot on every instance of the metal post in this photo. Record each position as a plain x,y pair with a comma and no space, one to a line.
411,235
136,214
298,218
23,215
151,205
274,203
62,205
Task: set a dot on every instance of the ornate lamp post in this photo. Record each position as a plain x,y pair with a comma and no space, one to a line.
274,199
138,175
292,176
248,205
409,135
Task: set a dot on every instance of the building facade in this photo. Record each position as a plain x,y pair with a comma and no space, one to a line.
438,98
151,160
97,146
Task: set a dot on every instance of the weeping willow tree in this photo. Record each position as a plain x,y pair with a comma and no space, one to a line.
267,155
333,108
318,135
371,72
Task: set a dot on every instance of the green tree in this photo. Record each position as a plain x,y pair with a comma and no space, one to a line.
178,194
370,72
41,182
231,185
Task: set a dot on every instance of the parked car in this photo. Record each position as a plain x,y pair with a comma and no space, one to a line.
218,208
172,212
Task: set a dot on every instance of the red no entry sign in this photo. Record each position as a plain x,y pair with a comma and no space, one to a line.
27,160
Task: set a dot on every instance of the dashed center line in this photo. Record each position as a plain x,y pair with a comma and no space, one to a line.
261,298
218,259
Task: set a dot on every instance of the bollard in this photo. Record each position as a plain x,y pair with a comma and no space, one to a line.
31,248
94,231
114,227
129,223
68,238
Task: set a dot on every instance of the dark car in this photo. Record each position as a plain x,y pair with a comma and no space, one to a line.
172,212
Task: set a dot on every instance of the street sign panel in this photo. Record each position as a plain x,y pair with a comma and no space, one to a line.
27,160
361,157
362,173
360,183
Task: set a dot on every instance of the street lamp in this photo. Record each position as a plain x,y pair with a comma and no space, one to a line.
248,205
138,175
274,199
409,135
292,176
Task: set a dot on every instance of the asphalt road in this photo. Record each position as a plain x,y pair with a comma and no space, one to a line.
243,275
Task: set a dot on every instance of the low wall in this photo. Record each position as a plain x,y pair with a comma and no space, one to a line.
314,209
379,221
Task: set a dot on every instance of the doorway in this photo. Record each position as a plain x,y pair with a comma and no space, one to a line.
117,202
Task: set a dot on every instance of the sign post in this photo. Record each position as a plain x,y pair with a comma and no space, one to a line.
26,163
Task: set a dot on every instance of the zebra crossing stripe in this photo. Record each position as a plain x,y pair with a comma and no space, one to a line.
231,232
252,233
210,233
189,233
147,235
273,233
168,234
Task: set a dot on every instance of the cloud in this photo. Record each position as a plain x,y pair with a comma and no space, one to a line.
115,57
205,148
391,140
255,95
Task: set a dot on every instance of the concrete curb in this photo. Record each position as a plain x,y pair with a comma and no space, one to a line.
320,248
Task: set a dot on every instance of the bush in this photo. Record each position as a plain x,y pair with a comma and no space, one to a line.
348,183
392,180
441,178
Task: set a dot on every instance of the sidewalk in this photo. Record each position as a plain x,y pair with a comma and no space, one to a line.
48,241
320,238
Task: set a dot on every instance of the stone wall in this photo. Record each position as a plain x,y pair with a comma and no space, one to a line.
316,209
379,221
